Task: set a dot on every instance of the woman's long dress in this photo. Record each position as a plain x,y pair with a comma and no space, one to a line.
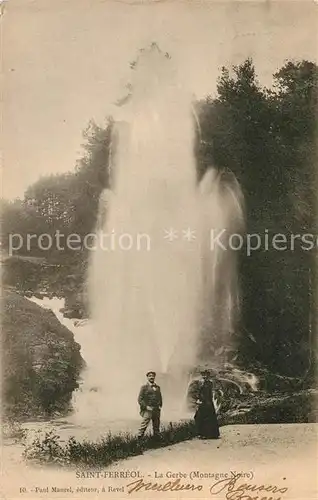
205,417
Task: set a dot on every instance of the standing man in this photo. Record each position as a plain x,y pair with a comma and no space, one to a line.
150,402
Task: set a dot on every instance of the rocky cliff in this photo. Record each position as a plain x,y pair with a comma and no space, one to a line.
41,360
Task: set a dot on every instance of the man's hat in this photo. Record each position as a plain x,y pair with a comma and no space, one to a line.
153,373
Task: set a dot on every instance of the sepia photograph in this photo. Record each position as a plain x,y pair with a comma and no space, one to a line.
159,237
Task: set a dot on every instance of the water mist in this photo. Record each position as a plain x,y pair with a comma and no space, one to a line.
156,286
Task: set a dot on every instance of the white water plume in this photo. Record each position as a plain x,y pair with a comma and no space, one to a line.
151,303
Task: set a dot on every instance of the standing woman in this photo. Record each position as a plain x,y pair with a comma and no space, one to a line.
205,417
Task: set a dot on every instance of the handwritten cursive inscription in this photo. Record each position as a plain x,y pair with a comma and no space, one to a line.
176,485
246,491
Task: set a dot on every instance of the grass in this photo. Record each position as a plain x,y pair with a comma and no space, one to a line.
49,448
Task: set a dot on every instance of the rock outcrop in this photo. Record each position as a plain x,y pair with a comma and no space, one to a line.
41,360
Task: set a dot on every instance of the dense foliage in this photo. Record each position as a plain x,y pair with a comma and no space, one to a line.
267,137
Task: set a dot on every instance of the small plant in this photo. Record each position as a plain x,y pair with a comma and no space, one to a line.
46,447
12,429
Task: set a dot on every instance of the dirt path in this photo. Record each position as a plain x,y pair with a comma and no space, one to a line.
284,455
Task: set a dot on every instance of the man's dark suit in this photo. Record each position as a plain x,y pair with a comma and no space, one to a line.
150,402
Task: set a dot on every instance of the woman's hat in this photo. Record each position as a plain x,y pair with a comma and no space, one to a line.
151,373
205,372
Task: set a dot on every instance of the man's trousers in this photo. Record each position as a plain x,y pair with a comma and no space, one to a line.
147,415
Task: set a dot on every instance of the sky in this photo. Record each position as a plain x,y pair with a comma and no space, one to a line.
65,62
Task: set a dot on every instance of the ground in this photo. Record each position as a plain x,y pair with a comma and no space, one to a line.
284,455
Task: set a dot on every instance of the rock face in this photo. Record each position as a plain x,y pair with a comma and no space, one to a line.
262,408
41,360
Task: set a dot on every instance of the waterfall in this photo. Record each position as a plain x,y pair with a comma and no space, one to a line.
156,287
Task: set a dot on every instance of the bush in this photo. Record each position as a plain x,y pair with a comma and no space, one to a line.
45,448
13,430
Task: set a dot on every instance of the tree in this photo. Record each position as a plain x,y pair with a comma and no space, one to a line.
267,138
297,101
92,175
